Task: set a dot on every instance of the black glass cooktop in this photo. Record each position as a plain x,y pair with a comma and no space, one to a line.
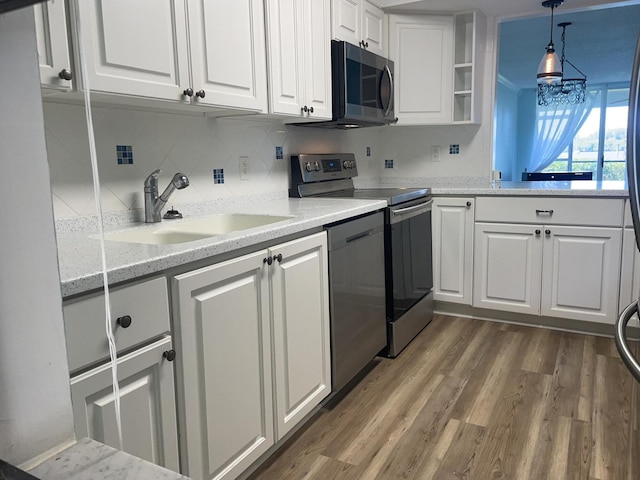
393,196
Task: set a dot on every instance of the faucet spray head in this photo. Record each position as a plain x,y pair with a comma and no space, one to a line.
180,181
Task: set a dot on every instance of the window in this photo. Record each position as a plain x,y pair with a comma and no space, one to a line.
600,146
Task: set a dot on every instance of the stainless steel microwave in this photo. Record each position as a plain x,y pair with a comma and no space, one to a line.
362,84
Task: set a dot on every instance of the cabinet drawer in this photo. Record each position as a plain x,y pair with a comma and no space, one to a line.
147,305
603,212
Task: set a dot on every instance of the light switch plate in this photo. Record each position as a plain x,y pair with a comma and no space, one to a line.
435,153
244,168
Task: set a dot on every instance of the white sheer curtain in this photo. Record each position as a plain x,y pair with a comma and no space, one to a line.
556,125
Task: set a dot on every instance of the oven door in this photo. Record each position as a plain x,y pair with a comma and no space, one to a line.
409,263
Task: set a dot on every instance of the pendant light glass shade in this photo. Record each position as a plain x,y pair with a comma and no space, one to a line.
550,68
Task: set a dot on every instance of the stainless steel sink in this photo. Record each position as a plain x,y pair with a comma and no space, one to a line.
182,231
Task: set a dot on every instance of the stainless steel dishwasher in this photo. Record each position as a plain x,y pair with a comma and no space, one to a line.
356,295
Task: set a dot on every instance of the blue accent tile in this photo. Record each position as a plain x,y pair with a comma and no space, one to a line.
124,154
368,151
388,164
454,149
218,175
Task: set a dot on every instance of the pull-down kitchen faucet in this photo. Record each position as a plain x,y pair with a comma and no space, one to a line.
152,202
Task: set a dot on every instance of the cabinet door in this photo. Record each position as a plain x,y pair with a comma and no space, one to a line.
346,20
629,273
221,316
317,58
453,249
374,29
127,53
147,405
300,328
53,44
421,47
507,267
228,53
581,273
285,54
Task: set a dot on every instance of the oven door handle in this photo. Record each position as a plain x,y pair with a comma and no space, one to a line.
426,206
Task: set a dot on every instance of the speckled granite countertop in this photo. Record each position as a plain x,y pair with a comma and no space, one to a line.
482,186
579,188
79,252
89,459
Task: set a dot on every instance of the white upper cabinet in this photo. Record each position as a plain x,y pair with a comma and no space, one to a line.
228,57
212,54
127,53
361,23
53,45
421,47
469,40
299,47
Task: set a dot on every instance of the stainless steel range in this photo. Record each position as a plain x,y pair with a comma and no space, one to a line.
408,268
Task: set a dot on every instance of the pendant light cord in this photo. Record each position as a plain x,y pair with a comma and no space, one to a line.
96,190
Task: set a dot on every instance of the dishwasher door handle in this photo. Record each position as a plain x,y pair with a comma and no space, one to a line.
358,236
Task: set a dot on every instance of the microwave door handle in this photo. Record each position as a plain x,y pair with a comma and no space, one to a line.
389,105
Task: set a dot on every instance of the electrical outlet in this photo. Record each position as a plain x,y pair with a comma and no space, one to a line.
435,153
244,168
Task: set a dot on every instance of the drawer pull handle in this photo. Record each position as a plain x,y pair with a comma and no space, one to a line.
170,355
124,321
540,212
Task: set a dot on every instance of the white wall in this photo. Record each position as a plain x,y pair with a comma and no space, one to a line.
35,403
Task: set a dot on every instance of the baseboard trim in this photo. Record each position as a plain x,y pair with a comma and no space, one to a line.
563,324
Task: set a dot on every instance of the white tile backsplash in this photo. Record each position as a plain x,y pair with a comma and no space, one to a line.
196,145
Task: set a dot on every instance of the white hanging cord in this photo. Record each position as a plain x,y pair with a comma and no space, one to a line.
96,191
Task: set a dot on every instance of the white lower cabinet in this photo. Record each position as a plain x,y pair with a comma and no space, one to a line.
147,404
252,331
558,271
452,229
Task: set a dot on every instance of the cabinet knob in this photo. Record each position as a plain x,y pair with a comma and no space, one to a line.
65,74
468,204
200,93
547,232
278,257
305,109
310,109
537,232
188,92
124,321
170,355
267,260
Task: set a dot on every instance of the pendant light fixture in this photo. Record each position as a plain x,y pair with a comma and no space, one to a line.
553,88
550,68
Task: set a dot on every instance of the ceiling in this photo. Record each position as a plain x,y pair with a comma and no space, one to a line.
601,40
601,43
494,8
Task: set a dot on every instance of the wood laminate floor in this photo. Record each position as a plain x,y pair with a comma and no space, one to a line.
470,399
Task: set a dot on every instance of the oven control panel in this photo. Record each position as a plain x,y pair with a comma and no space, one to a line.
309,168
